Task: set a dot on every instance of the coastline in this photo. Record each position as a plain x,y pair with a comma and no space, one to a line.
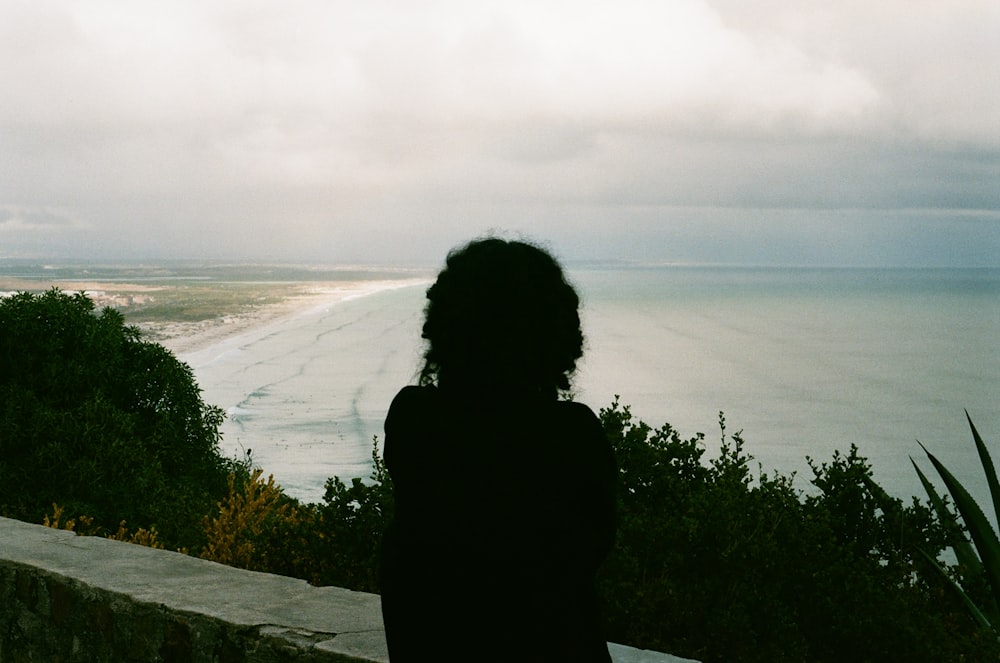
190,340
284,301
305,382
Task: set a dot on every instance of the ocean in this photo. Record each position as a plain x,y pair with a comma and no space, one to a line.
802,361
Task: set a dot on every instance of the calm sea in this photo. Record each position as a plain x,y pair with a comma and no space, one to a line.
803,361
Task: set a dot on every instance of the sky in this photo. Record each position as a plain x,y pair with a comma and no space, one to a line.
798,132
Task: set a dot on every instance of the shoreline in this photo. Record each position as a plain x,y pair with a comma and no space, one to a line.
193,339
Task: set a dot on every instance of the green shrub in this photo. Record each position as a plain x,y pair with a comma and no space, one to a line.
716,564
96,419
355,517
335,542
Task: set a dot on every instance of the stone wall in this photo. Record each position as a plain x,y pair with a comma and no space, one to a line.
72,598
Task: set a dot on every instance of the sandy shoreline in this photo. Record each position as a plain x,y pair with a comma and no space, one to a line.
186,338
189,337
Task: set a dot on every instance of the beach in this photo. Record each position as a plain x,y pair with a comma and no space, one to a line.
193,340
241,317
305,384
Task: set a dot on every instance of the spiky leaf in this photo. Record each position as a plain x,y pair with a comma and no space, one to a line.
966,556
988,467
974,610
985,539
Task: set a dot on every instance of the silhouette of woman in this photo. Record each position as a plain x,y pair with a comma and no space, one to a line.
504,494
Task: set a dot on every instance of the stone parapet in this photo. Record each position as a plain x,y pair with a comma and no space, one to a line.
65,597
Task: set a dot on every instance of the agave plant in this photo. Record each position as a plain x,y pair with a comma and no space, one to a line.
984,558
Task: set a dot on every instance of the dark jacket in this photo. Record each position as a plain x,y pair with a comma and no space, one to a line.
504,510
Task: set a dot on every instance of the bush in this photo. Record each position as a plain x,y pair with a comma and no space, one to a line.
239,534
96,419
355,518
718,565
335,542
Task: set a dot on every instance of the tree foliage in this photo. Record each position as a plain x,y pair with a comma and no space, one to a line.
716,564
102,422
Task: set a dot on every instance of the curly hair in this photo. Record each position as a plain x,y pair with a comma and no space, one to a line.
501,317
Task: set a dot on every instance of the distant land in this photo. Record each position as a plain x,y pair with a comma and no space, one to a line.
187,305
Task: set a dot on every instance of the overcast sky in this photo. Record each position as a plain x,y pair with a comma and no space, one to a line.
764,132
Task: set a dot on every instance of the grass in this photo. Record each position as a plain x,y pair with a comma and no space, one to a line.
196,303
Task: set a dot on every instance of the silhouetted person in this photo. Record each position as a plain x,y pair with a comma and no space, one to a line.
504,493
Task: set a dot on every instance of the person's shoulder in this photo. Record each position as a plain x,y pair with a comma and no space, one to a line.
412,401
576,409
578,416
582,436
413,394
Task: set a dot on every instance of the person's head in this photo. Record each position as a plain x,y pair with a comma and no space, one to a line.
501,318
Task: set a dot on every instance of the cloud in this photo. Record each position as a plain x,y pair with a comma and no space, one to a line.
37,219
931,62
422,64
304,122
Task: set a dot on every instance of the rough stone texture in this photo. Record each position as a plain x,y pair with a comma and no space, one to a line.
72,598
